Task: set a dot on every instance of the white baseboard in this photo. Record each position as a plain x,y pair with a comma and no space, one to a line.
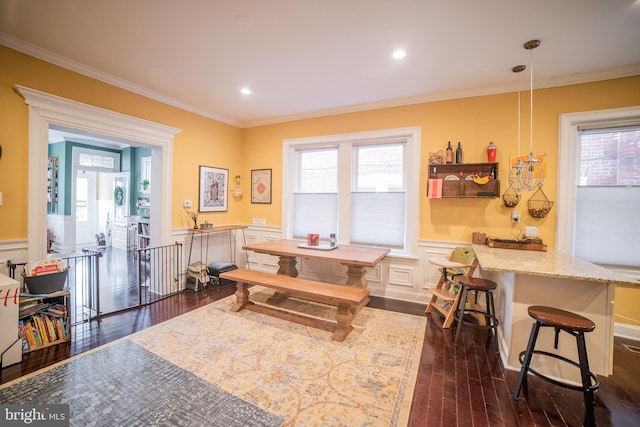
626,331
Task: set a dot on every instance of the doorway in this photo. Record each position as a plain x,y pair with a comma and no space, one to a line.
47,111
100,207
85,207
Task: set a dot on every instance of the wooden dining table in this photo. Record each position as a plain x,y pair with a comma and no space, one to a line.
355,258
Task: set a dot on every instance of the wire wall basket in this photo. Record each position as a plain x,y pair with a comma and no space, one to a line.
539,204
510,197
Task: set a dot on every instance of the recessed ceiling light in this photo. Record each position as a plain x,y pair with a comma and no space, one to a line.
244,20
245,91
399,54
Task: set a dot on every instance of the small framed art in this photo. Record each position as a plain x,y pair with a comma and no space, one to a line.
214,184
261,186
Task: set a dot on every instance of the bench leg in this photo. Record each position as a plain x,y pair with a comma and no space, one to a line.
343,318
242,296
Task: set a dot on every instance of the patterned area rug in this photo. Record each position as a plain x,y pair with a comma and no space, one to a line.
125,385
297,373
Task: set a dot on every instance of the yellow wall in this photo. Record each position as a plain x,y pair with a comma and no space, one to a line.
473,121
202,141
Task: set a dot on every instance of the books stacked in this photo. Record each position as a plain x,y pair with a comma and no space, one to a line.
41,323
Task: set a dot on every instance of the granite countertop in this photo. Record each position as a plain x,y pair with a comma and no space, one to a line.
551,263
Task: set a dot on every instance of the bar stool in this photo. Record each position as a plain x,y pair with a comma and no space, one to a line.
487,319
575,325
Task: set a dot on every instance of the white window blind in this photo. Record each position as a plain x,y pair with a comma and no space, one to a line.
315,213
378,219
607,223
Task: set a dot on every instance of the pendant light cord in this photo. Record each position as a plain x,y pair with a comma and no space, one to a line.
531,103
519,132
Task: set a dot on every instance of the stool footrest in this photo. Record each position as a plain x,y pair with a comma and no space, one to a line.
595,383
491,321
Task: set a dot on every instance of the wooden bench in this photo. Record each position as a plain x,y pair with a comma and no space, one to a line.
349,300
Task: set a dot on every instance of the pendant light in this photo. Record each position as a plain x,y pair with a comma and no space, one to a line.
532,171
515,182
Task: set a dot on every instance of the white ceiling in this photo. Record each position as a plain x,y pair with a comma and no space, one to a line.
305,58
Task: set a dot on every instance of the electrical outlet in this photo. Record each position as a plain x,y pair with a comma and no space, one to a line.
515,217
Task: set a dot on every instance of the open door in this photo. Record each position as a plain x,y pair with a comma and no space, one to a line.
121,192
85,212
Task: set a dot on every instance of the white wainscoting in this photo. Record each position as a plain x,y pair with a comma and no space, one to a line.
14,251
64,234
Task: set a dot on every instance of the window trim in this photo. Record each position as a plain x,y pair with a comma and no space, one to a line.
569,159
412,135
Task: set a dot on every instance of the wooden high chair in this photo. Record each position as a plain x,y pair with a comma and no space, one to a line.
445,297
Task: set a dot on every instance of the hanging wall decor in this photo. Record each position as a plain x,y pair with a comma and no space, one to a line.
214,184
261,186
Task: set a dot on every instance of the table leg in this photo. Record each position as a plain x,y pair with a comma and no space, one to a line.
288,266
356,277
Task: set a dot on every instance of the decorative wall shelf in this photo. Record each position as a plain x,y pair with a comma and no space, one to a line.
457,179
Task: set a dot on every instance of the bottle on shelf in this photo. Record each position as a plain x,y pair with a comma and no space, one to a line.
491,153
459,153
449,155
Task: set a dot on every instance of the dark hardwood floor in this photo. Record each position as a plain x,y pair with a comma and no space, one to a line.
456,386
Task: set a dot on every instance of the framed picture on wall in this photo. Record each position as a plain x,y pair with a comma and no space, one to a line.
214,184
261,186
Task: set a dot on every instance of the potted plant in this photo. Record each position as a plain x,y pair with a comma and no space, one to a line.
145,184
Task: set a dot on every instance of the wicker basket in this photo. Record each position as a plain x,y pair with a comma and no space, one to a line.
46,283
539,204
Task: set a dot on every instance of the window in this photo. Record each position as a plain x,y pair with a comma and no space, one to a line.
608,195
96,161
315,197
354,185
378,196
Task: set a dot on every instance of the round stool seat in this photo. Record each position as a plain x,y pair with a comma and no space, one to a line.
576,326
477,284
550,316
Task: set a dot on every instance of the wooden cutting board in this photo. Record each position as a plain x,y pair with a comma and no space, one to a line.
521,245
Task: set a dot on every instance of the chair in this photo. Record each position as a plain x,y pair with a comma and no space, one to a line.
446,296
575,325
